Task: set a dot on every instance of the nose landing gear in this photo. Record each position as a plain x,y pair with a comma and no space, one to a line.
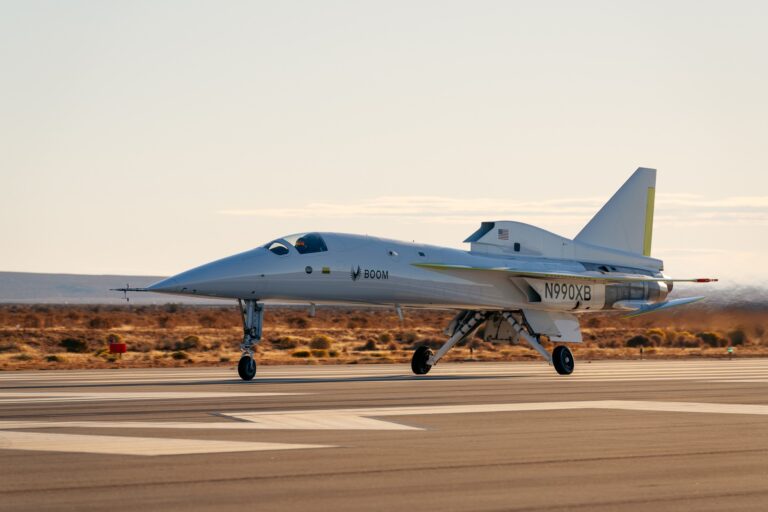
253,319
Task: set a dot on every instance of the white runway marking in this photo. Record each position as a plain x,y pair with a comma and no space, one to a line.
146,446
351,419
30,397
367,419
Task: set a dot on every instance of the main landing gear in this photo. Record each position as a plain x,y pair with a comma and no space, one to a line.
253,319
467,321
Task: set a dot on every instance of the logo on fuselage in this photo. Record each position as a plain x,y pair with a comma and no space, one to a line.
368,273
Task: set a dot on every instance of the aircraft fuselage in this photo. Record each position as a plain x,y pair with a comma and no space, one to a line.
355,269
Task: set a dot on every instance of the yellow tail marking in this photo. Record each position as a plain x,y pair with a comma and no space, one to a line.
649,221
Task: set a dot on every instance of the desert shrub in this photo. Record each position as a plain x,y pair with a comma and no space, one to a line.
189,343
31,321
180,355
333,353
686,339
737,337
385,337
369,345
9,346
657,336
392,346
712,339
166,344
320,342
141,346
22,357
54,359
408,337
592,322
99,322
301,353
284,342
638,341
298,322
166,322
319,353
207,321
224,359
113,338
356,322
74,345
171,308
432,343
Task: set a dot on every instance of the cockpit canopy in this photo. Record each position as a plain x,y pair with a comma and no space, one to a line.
304,243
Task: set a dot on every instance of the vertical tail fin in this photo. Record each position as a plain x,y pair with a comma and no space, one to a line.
626,221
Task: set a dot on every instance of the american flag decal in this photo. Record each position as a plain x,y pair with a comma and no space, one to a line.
503,234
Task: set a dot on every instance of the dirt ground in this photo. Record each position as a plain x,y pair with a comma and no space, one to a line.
68,336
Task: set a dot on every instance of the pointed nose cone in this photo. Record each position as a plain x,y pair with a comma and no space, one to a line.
217,279
168,285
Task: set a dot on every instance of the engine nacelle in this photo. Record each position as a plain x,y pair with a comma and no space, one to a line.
648,291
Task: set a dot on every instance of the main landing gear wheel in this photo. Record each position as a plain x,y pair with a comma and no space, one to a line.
563,360
246,368
419,361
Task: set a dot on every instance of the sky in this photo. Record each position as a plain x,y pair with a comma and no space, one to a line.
147,137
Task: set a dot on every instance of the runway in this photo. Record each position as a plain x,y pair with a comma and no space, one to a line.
623,435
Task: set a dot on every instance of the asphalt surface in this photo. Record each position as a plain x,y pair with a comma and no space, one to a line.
642,435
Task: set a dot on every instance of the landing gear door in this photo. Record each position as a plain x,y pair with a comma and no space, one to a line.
557,326
498,330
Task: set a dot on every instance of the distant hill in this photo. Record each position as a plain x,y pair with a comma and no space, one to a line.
27,287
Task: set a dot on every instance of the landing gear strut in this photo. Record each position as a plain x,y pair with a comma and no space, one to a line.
561,358
467,321
253,319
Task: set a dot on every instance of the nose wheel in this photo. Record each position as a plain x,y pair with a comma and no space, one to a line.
562,359
246,368
420,361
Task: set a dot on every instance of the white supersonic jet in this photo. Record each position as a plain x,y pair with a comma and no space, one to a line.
523,282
